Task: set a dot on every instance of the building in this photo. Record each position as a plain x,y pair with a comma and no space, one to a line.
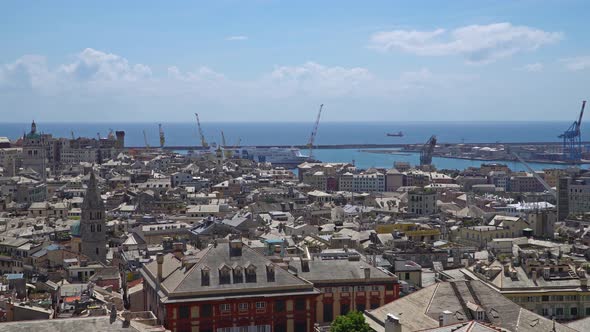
227,285
35,151
573,197
499,227
445,306
92,224
347,285
422,202
544,283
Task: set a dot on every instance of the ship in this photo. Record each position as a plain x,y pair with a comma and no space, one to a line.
398,134
288,157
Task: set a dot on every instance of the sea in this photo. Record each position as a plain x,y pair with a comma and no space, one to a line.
298,133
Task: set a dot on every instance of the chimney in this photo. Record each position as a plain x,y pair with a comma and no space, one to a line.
445,318
534,276
235,248
367,273
392,324
291,206
178,248
283,207
160,261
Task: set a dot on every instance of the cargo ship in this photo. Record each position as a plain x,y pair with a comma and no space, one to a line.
398,134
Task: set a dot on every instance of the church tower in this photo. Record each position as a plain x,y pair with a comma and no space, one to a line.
92,223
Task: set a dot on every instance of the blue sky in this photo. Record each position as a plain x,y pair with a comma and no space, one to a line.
278,60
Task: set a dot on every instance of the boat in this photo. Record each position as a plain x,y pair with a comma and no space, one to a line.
274,155
398,134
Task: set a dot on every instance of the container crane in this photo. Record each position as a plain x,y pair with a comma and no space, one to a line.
162,137
427,150
201,134
572,139
314,132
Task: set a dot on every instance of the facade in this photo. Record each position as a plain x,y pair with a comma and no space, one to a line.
92,224
347,285
573,197
550,286
422,202
35,151
227,287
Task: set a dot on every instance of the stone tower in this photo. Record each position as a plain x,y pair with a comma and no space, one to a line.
35,151
92,224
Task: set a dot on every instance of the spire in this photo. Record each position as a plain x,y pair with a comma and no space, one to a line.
33,127
92,200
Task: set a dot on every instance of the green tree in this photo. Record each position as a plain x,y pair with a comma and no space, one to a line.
354,321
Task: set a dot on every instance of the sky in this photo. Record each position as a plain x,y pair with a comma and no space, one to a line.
275,61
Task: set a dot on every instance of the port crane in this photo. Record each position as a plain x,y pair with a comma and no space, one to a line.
204,143
540,179
226,152
572,139
427,150
162,137
314,132
145,140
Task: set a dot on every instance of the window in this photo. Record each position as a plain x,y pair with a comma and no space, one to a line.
545,312
300,304
545,298
328,312
99,228
574,311
92,228
226,307
300,326
206,310
559,311
375,288
243,306
97,251
260,305
407,276
345,288
360,307
344,308
328,290
361,288
279,305
184,312
389,287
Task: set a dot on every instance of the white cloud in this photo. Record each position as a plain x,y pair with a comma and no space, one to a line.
93,65
532,67
477,43
577,63
236,38
106,82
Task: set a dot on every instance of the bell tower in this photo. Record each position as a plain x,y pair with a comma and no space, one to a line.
92,223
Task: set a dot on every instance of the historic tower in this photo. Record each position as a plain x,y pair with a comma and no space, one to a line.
92,223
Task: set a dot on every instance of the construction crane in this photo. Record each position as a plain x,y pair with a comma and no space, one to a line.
314,132
201,134
145,140
540,179
572,139
427,150
162,138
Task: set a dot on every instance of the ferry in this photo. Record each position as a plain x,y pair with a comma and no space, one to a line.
274,155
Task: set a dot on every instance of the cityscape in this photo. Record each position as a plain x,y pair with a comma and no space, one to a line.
317,198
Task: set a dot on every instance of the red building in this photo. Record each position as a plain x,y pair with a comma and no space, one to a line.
228,285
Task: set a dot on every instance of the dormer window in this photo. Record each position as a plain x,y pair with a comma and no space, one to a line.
250,273
270,272
224,275
205,279
238,275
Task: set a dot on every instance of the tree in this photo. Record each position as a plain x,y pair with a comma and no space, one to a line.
354,321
